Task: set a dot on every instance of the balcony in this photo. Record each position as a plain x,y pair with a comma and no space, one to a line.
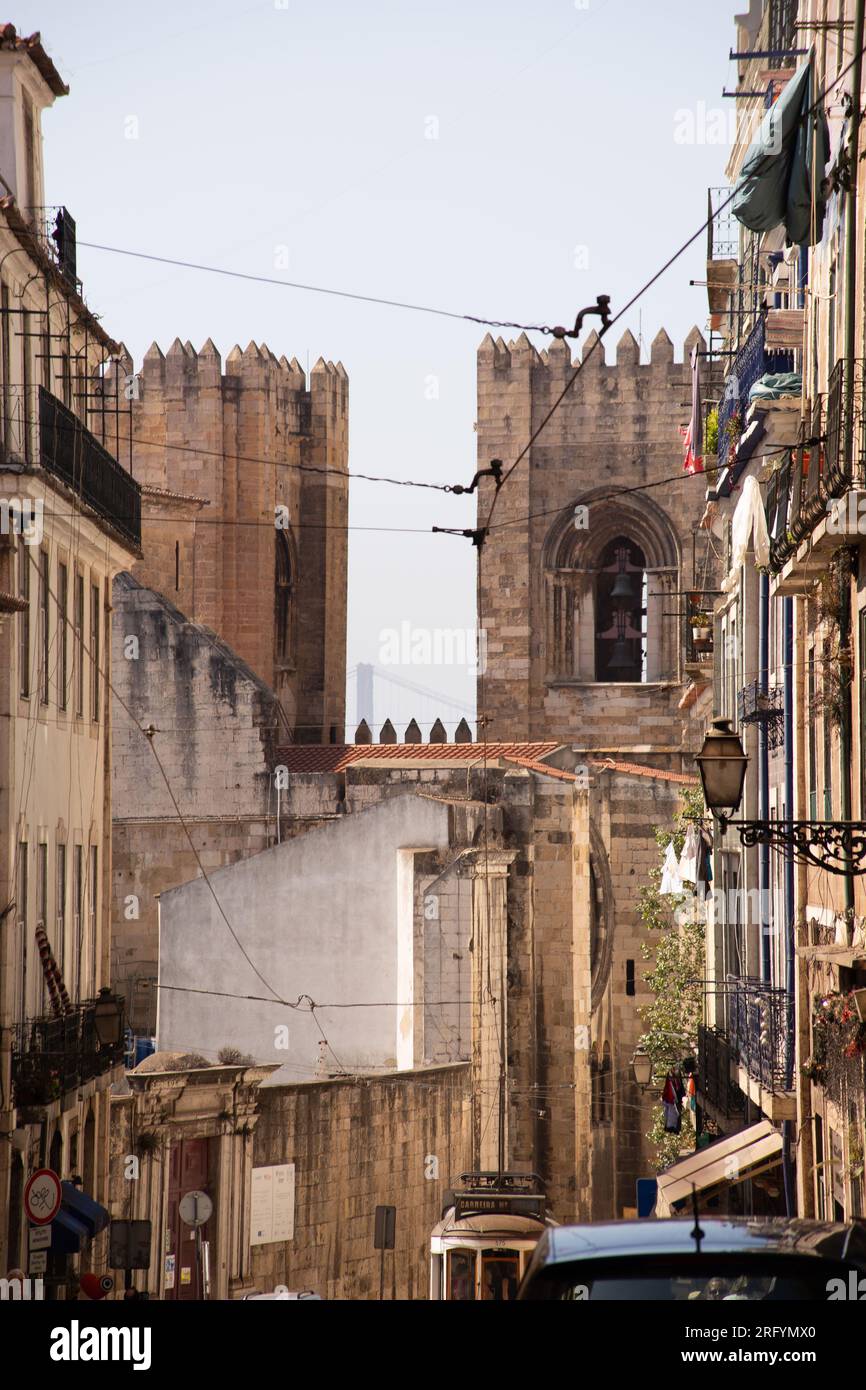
69,451
714,1073
755,705
53,1055
815,500
761,1033
751,362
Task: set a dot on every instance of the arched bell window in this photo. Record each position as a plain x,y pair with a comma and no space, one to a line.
620,612
283,614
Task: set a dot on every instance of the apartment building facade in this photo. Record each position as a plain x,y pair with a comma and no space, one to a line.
786,952
69,521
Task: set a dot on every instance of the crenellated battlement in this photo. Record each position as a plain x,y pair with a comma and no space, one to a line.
520,354
255,368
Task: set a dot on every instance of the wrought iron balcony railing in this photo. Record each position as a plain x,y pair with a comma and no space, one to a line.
764,708
714,1071
826,463
761,1031
52,1055
68,450
751,362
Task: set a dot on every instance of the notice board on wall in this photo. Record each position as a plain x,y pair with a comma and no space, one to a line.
272,1204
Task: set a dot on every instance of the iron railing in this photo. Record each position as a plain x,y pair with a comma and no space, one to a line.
826,462
714,1071
764,707
74,455
52,1055
761,1031
781,33
751,362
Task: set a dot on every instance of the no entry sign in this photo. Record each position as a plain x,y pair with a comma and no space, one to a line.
42,1196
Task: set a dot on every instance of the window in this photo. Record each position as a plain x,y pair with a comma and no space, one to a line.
44,629
620,613
79,645
461,1275
60,900
811,734
24,620
94,652
30,157
21,888
93,902
863,713
283,601
42,904
62,635
629,978
828,736
5,355
500,1275
26,403
77,911
595,1094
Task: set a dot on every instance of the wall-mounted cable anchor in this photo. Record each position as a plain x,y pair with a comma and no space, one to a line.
477,537
494,472
600,307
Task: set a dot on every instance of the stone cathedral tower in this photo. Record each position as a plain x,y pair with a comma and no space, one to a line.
566,658
243,467
583,587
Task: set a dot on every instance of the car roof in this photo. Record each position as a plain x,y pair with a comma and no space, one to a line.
721,1235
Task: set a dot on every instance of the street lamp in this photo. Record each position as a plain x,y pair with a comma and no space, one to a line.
722,765
108,1017
837,846
642,1067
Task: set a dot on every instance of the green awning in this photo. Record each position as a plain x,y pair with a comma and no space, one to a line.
780,178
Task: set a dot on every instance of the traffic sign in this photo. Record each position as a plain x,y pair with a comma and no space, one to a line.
195,1209
38,1262
40,1237
42,1196
129,1245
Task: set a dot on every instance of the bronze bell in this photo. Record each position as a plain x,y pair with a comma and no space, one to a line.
622,587
620,656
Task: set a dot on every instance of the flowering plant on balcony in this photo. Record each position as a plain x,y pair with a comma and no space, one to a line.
734,428
838,1041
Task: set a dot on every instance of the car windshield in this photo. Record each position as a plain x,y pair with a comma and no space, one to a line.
712,1279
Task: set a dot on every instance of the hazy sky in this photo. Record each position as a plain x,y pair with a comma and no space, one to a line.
500,159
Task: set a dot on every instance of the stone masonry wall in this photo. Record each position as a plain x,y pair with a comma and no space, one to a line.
618,427
357,1144
216,726
217,447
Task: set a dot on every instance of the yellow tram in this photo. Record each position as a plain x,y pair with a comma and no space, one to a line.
484,1242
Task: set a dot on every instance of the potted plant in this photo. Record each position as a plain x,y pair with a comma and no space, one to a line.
702,628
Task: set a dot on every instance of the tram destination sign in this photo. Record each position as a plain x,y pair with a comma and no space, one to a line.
499,1204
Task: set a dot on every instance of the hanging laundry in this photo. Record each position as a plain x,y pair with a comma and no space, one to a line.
707,846
691,1092
673,1118
671,882
692,849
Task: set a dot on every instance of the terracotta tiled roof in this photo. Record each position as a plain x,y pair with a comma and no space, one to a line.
32,45
336,757
638,770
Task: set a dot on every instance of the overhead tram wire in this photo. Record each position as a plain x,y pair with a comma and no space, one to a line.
313,289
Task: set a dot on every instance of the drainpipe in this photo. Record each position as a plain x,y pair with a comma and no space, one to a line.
790,931
764,776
